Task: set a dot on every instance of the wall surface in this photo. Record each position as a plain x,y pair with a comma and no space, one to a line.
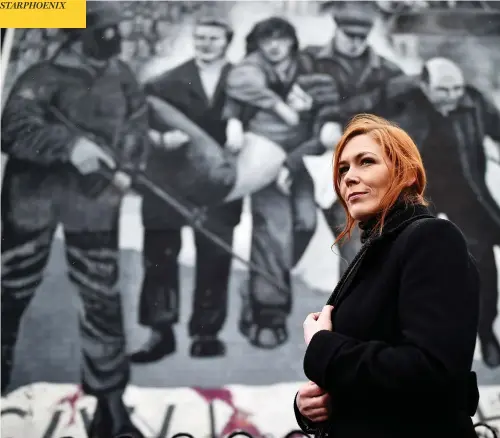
239,384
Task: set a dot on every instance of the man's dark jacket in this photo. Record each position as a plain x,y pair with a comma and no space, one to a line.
182,88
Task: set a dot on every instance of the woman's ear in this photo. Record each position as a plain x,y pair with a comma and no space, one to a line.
411,181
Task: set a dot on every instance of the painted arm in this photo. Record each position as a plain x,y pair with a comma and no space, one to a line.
135,140
29,130
247,84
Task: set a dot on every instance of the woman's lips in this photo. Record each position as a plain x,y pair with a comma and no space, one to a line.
356,195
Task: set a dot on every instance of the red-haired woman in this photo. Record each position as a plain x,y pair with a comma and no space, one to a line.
391,353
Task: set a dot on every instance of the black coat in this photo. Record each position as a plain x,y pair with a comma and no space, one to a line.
398,362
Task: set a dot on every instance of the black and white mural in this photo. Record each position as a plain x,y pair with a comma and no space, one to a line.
167,207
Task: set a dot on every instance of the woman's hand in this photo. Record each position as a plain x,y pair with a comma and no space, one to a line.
317,321
313,402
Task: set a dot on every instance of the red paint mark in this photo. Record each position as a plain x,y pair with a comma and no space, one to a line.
72,399
212,394
239,420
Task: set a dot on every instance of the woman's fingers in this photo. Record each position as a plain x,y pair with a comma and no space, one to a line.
314,403
317,415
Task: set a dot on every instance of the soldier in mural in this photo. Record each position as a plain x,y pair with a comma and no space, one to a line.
449,121
362,79
196,88
62,119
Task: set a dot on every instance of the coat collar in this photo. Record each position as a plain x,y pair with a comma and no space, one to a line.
401,215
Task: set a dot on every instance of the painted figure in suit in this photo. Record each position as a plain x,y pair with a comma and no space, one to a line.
448,121
361,76
195,88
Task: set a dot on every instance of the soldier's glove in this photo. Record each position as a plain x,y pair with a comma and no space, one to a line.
87,156
89,159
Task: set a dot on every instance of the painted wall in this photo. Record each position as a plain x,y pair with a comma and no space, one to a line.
237,383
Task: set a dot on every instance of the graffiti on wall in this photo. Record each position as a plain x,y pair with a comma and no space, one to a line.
167,209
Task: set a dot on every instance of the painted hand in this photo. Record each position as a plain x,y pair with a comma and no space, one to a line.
87,156
174,139
299,100
234,135
284,181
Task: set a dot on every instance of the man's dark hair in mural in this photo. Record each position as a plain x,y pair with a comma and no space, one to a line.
361,77
196,88
449,120
63,117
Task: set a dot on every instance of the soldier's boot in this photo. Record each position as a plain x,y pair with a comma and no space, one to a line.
12,310
111,418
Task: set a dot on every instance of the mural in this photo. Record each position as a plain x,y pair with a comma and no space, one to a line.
167,208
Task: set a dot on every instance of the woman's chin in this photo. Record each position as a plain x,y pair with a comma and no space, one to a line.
361,214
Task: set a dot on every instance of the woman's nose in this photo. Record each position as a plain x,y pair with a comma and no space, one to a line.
351,177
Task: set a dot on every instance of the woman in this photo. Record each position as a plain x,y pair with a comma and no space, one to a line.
391,353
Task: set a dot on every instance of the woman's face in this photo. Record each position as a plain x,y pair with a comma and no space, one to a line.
276,49
364,177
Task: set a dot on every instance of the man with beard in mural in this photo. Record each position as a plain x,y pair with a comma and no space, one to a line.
197,89
63,118
449,121
362,79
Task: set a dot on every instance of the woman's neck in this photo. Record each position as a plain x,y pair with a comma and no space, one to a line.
370,226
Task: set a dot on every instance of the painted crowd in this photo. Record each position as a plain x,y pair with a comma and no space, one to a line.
172,102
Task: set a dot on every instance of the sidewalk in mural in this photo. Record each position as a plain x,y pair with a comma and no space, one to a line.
61,410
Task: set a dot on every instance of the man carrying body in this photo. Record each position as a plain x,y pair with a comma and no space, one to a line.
449,121
60,115
195,88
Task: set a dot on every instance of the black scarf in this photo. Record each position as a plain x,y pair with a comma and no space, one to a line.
400,212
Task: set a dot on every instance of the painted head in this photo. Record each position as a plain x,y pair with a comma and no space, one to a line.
375,164
275,37
212,36
101,38
355,21
443,83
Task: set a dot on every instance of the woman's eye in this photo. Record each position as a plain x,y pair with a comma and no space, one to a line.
343,170
366,161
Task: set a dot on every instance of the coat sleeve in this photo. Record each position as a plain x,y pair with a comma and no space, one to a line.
247,83
136,144
159,87
491,120
29,131
438,316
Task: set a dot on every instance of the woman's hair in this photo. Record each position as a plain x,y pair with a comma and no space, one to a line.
273,27
405,164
